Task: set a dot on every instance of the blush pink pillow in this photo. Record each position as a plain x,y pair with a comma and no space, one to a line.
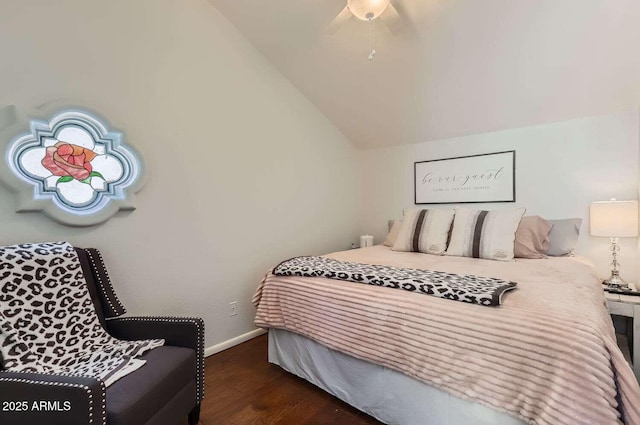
532,238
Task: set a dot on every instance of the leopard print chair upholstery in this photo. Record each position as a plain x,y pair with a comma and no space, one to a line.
168,388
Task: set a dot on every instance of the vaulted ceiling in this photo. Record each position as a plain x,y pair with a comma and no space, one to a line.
451,67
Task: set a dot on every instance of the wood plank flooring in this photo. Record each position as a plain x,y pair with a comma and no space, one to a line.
243,388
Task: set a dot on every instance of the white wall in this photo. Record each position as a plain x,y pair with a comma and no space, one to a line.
242,170
560,169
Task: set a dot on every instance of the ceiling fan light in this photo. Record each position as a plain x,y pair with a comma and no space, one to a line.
367,9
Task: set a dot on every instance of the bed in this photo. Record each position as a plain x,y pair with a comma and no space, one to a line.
547,355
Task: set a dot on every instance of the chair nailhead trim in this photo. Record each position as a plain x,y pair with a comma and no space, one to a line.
69,385
103,390
107,294
199,324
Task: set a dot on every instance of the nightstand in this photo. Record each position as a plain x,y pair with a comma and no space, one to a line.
628,306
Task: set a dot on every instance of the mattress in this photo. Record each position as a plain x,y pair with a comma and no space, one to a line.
547,355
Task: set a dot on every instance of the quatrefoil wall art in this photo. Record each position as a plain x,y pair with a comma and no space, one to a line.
70,166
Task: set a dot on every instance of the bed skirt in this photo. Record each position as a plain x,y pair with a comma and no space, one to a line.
389,396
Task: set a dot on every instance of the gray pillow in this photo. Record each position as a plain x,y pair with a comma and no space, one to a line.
563,237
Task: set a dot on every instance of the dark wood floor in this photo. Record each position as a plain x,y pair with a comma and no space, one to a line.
242,387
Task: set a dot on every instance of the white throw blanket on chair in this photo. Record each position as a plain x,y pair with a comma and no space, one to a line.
48,323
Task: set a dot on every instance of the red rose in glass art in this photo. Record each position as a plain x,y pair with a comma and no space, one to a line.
70,166
69,161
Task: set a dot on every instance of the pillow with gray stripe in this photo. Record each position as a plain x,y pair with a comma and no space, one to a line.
424,231
484,234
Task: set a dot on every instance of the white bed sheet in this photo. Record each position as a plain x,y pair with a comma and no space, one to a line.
389,396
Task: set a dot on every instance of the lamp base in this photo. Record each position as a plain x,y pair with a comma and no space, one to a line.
616,282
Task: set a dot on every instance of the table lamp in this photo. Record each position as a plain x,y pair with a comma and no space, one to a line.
614,219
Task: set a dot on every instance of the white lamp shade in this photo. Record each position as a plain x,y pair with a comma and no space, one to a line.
367,9
614,219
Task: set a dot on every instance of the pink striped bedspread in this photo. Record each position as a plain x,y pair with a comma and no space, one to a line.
547,355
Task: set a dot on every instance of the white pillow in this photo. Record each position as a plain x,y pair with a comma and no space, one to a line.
393,233
484,234
424,231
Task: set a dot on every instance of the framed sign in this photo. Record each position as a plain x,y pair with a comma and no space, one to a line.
489,177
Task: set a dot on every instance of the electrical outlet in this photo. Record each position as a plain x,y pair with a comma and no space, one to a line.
233,308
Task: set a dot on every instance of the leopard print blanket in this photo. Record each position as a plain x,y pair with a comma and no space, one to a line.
48,323
465,288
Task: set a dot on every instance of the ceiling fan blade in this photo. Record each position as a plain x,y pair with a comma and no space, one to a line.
392,19
339,20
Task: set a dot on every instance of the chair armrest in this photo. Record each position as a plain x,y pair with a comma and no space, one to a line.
177,331
38,398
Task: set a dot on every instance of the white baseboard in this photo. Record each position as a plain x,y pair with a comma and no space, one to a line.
233,342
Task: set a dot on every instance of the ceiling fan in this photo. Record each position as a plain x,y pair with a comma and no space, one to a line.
367,10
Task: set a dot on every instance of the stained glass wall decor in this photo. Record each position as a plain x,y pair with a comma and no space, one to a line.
71,166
